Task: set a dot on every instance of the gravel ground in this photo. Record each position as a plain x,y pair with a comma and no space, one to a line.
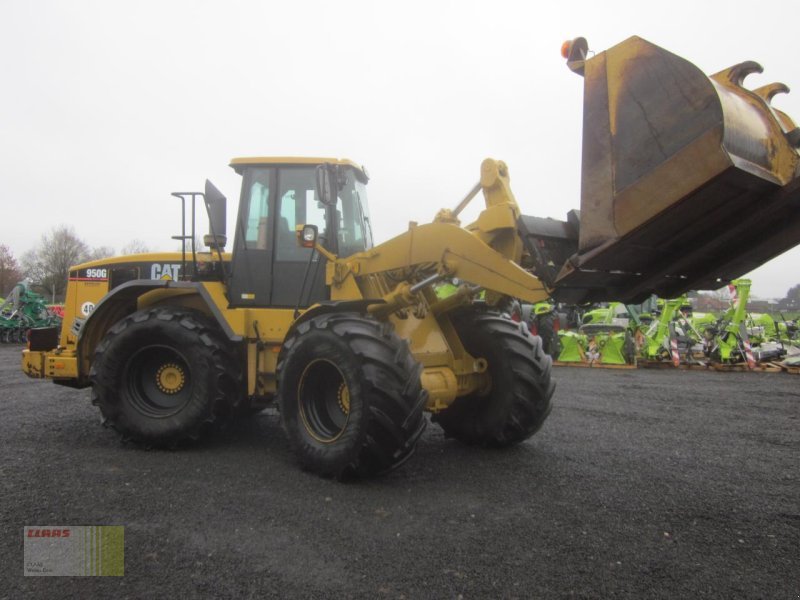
649,483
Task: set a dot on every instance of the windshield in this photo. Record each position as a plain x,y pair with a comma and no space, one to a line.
352,213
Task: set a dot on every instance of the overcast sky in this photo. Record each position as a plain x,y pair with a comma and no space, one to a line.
109,106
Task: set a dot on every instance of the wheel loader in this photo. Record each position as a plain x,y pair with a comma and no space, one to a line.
349,338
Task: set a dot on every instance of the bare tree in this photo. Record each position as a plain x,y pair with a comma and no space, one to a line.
48,264
10,273
135,246
100,252
198,244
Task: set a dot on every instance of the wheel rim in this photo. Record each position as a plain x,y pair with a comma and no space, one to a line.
323,399
157,381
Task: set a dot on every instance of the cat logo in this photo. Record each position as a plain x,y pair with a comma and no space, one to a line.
158,271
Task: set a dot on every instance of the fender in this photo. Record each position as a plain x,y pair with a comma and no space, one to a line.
326,307
123,300
330,306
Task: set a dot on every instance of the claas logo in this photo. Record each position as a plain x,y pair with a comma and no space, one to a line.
48,533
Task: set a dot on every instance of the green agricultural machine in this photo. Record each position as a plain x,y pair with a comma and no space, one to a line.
23,310
768,329
672,337
702,321
730,341
772,339
604,338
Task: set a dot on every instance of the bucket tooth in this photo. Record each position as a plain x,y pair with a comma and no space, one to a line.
736,74
768,92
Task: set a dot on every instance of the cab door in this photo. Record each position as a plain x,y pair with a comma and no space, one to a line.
251,268
296,281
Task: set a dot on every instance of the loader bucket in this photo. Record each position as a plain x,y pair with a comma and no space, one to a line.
688,181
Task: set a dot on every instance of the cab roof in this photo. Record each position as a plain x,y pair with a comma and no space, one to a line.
239,163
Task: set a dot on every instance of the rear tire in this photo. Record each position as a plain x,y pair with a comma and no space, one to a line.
164,375
350,396
521,390
547,331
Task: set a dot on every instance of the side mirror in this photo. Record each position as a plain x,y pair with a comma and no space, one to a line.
307,235
216,205
326,185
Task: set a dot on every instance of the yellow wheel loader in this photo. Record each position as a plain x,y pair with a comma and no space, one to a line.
350,337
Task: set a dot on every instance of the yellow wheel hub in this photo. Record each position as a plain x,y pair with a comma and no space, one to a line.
344,399
170,378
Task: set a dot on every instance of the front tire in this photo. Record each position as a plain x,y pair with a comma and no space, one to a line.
519,400
164,375
350,396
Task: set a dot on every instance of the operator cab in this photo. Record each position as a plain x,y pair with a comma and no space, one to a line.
269,267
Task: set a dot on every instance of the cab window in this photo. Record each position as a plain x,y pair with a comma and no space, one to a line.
352,218
298,204
256,234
